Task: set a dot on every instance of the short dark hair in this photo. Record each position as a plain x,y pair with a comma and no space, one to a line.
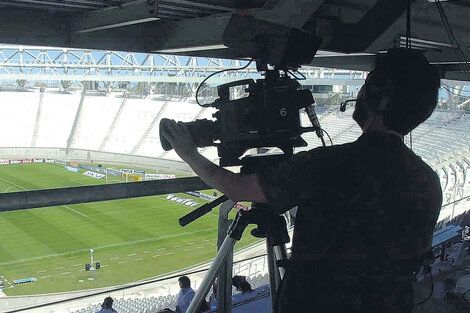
411,85
185,282
108,303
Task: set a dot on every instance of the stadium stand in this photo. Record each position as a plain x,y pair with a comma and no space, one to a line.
136,116
129,125
18,116
58,112
96,117
153,304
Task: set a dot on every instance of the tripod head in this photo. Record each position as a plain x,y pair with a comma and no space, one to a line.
255,162
250,164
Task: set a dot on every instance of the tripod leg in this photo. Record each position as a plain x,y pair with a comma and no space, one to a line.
224,279
281,254
274,277
206,284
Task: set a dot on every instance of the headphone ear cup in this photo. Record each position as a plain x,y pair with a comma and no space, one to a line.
386,97
378,98
371,97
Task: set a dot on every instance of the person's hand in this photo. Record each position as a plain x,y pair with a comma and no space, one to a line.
180,139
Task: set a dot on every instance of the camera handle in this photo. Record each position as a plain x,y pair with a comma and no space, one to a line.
271,227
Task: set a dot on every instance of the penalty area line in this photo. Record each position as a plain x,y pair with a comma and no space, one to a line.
26,189
12,183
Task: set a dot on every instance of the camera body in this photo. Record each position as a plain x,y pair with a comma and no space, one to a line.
267,117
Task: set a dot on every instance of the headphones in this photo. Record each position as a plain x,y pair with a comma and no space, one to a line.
377,95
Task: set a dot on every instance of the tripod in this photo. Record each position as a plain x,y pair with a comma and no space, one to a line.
270,226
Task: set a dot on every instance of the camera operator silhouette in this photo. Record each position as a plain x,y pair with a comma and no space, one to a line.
366,209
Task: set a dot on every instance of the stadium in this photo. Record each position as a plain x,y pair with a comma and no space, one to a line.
74,117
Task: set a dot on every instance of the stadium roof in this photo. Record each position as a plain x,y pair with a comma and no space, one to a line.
351,30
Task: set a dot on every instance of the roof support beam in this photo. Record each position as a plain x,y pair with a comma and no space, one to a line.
356,37
140,11
135,13
33,27
291,13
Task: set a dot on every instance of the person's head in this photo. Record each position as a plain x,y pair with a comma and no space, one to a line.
236,280
107,303
184,282
399,94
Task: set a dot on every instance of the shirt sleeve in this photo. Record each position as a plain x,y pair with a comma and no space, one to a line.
295,181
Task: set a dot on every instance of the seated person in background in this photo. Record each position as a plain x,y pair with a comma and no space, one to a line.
241,284
186,294
185,297
107,306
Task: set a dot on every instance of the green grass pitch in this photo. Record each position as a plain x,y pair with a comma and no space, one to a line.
133,238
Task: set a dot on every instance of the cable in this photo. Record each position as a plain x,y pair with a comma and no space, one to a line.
454,42
408,46
215,73
331,141
450,203
452,87
463,296
408,26
455,94
430,294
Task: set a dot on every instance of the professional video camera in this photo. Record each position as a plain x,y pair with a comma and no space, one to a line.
269,115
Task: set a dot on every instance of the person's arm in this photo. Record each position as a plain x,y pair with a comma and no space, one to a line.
237,187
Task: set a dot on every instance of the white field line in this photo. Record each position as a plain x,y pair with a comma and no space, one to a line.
67,207
109,246
12,183
8,189
78,182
